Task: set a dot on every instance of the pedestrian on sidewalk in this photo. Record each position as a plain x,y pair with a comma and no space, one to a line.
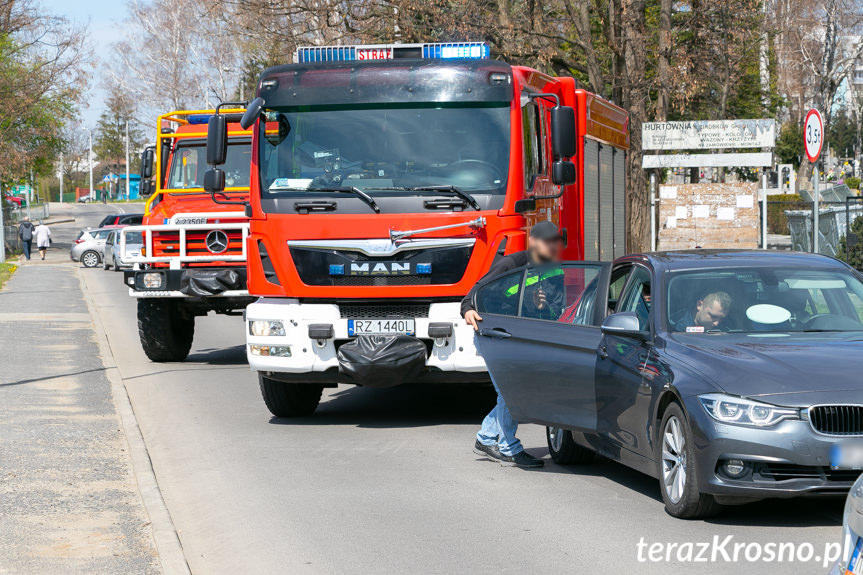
43,238
25,232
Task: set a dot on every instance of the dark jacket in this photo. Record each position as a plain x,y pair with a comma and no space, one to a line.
499,267
25,231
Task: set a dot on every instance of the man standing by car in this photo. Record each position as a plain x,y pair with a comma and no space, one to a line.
25,232
496,439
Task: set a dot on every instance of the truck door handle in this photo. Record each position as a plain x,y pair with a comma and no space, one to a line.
602,352
495,332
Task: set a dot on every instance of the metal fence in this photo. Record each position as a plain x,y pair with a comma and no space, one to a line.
36,212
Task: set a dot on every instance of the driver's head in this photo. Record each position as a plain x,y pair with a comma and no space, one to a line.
712,309
544,242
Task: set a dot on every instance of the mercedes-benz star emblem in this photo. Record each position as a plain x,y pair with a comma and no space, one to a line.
217,241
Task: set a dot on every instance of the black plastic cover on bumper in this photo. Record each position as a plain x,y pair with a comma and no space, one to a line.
190,281
381,360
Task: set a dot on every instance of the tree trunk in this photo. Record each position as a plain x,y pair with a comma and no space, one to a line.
633,26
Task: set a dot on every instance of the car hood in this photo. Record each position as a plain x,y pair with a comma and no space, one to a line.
798,370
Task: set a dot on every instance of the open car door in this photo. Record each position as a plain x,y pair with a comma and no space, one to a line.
539,338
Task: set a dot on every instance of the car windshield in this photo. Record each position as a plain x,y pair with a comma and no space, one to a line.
189,162
393,147
134,238
764,300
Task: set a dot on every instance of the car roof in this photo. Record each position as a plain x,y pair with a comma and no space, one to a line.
712,258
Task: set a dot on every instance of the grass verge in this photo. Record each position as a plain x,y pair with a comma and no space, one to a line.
6,271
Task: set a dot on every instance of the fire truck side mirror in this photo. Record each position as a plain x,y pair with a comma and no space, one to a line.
214,180
217,140
562,173
563,131
147,160
525,206
145,189
252,112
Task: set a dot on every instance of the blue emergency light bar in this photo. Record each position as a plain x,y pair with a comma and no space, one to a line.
442,51
198,119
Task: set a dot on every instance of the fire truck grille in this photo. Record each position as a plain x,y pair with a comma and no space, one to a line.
837,419
168,243
329,267
397,311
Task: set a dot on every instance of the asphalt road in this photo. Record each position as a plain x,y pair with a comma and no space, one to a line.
384,481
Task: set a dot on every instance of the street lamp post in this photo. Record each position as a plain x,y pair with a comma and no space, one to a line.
90,160
127,160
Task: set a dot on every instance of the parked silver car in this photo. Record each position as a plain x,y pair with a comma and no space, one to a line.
113,258
852,533
89,246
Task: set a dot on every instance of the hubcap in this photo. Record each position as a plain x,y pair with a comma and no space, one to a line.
673,459
556,436
90,260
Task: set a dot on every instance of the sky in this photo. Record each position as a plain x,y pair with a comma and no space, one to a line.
103,20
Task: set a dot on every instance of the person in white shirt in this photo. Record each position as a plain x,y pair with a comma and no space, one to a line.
42,235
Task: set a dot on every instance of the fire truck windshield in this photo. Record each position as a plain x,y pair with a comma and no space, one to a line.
189,162
386,150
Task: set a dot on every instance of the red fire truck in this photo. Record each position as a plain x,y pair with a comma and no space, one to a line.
189,256
384,182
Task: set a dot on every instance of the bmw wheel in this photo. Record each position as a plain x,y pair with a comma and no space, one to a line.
563,448
90,259
678,470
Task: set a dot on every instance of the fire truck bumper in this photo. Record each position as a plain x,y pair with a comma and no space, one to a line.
185,283
284,336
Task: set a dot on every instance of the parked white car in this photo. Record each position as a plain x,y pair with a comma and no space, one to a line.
113,258
851,562
89,246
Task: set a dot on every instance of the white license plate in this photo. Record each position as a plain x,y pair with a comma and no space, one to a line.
847,455
381,327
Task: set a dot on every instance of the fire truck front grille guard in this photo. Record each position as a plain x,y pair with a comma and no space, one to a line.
185,235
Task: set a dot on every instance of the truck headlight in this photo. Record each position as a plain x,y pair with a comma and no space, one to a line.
738,411
266,327
270,350
152,280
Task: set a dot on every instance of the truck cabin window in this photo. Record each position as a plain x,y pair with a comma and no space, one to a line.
189,162
385,148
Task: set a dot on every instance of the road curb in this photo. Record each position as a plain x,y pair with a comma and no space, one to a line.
171,556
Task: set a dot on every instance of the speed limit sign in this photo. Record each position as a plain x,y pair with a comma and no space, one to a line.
813,134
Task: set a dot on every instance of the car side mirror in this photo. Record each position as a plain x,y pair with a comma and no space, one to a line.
147,161
217,140
563,131
562,173
214,180
624,324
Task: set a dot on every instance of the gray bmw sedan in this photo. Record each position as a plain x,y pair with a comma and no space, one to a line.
730,376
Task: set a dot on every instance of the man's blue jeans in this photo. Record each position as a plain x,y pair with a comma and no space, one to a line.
28,247
499,428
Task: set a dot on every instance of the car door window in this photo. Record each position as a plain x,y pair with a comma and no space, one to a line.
636,297
500,296
102,234
109,239
618,280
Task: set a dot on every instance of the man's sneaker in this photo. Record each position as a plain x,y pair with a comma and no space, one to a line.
487,450
521,459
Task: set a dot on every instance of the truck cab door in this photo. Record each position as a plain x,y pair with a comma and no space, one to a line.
539,338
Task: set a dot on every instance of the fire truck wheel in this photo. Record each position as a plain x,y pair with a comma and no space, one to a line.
166,329
285,399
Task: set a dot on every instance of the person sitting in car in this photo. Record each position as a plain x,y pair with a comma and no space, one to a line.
709,314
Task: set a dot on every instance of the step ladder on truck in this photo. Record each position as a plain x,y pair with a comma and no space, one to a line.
193,259
385,181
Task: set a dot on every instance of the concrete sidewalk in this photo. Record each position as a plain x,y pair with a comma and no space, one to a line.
69,501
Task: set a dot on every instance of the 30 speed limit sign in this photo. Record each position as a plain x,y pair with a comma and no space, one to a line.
813,134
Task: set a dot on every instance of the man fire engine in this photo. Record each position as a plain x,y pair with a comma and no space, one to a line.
194,257
384,181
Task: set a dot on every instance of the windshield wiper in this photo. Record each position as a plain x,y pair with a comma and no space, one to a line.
344,190
451,189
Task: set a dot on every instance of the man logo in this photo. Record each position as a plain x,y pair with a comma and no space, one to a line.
380,269
217,241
